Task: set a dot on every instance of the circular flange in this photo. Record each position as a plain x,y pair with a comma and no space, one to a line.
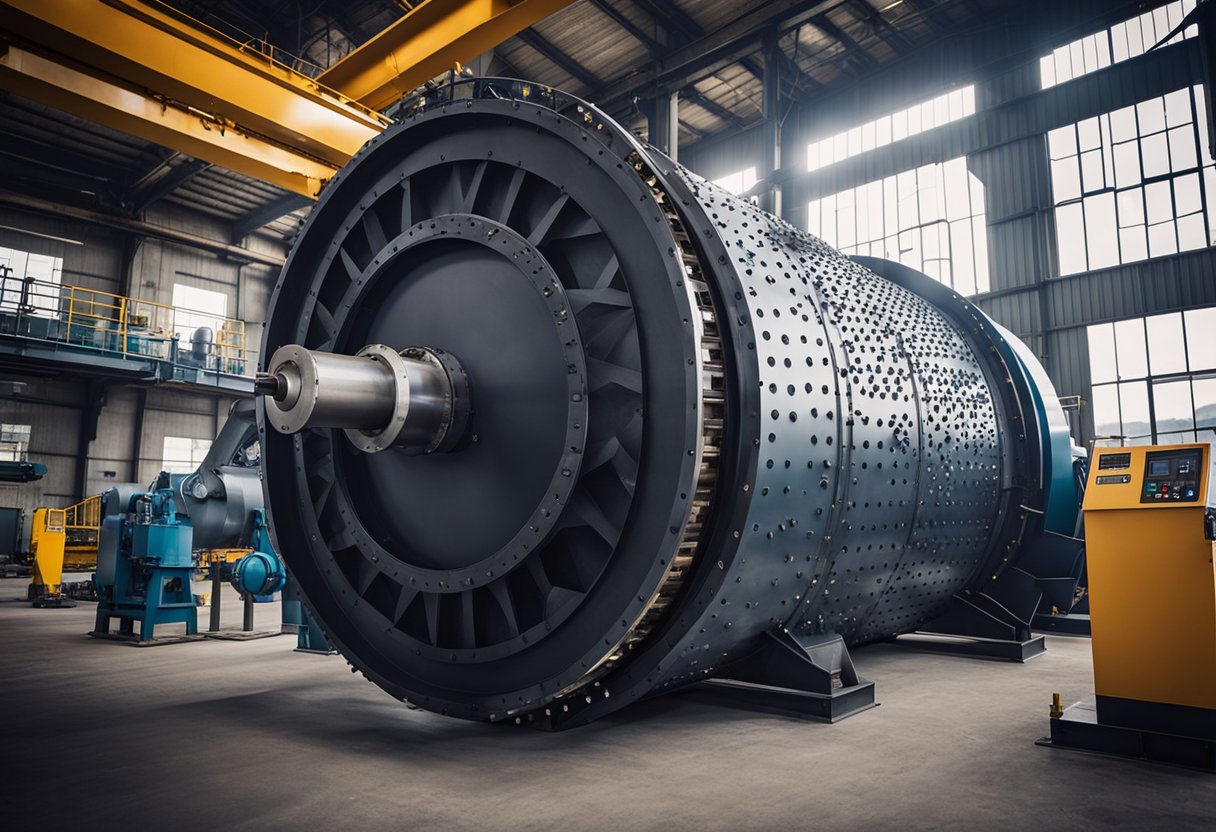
532,283
374,441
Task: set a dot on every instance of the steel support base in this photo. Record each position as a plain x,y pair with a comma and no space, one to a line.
1079,730
981,648
799,704
804,676
1076,624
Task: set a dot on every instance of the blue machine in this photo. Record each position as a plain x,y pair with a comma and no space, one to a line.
144,563
260,573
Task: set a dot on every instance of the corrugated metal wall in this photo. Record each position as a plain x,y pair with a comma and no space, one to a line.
1005,146
53,407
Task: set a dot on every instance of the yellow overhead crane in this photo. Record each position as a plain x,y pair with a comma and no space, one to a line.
144,68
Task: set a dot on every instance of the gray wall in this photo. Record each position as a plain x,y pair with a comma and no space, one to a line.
1006,149
54,407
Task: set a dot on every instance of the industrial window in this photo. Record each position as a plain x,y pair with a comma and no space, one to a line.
14,442
918,118
1118,43
194,307
181,455
930,218
1133,184
1154,379
739,182
40,298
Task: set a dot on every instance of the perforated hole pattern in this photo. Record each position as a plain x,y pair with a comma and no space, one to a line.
878,478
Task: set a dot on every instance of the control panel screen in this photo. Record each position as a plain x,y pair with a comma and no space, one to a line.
1172,476
1107,462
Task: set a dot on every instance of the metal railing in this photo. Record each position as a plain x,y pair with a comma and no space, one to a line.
84,515
122,326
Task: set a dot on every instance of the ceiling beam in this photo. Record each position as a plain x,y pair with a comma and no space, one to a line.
563,61
144,229
932,12
262,216
162,180
26,150
852,47
641,36
727,45
656,49
882,28
694,96
790,71
671,17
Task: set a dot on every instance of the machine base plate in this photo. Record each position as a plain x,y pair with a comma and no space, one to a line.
1079,730
982,648
800,704
241,635
1076,624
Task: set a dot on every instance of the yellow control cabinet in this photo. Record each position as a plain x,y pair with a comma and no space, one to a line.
1152,586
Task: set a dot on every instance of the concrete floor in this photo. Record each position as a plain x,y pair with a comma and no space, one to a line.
251,735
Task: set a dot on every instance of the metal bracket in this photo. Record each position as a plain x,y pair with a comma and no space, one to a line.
805,676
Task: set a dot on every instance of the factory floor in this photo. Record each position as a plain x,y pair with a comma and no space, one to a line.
251,735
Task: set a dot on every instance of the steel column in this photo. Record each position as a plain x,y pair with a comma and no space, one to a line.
771,197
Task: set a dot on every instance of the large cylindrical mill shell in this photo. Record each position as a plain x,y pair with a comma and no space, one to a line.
692,423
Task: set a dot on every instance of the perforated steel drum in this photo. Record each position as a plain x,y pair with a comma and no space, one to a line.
673,421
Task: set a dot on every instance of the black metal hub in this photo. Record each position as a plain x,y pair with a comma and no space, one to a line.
482,292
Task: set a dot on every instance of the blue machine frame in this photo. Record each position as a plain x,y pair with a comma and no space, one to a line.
144,565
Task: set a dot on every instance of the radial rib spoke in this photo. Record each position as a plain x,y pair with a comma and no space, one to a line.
541,232
502,594
374,231
407,205
470,196
611,269
580,299
511,195
602,373
404,600
591,514
431,600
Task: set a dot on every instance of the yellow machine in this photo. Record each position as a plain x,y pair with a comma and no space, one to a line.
1150,527
63,540
48,537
